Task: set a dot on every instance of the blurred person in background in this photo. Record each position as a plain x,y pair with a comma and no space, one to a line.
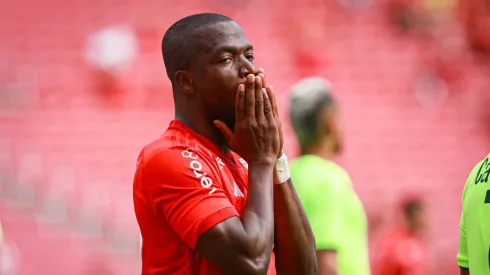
110,52
475,17
335,212
7,260
474,239
402,250
213,195
408,16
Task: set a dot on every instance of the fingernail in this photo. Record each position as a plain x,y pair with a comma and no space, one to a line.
241,88
250,78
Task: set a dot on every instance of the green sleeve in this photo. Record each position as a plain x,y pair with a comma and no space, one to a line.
463,259
325,214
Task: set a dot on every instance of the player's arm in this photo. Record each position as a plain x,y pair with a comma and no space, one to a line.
244,246
294,243
464,271
184,187
325,219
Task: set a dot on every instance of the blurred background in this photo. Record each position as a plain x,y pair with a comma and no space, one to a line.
83,88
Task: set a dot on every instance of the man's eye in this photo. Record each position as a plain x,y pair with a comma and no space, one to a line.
250,57
226,60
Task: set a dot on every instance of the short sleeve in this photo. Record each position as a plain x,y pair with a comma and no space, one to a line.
463,258
183,186
325,214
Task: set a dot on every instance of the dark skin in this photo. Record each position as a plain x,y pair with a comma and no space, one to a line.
207,100
464,271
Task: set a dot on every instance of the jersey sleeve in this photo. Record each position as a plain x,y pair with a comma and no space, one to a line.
463,259
184,187
325,214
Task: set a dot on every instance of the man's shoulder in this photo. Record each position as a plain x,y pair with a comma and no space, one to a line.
173,145
326,171
172,155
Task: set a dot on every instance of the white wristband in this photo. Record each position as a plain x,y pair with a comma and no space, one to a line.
281,171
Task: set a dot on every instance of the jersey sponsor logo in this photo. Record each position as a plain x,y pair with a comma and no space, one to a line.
244,163
483,172
196,167
237,191
220,163
189,153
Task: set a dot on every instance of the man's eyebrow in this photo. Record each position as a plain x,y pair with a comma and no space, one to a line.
232,49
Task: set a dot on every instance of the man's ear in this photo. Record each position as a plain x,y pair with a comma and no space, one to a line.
183,80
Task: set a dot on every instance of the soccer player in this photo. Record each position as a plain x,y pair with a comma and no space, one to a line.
474,235
335,213
402,251
213,194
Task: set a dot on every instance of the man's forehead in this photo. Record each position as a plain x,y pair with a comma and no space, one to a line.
222,34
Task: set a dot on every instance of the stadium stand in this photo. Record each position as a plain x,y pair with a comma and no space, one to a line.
67,163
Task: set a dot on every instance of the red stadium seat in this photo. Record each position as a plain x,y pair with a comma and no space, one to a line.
74,152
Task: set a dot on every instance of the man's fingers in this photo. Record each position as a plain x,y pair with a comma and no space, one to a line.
227,133
272,98
259,99
250,96
240,103
261,73
268,113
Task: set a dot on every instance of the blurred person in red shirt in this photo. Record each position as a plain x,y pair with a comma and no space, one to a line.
402,251
475,16
213,195
110,52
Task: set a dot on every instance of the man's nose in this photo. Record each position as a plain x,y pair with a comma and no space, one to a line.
247,67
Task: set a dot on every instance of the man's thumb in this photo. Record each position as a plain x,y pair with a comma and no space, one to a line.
224,129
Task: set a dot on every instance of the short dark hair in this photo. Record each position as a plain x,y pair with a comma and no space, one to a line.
178,43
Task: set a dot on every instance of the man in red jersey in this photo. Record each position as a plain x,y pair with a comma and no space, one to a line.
213,195
402,251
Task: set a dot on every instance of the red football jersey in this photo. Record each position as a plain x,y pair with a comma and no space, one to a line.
400,253
183,186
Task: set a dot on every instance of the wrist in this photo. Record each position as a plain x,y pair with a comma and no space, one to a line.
264,162
281,170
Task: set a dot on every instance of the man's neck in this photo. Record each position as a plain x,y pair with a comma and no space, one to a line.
201,125
323,150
